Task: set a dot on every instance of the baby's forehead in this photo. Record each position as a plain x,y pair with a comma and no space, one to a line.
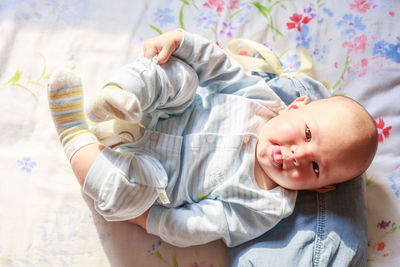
337,110
339,103
331,102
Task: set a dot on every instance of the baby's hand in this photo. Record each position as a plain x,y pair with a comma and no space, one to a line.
162,46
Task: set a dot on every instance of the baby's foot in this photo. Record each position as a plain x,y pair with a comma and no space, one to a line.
114,103
66,105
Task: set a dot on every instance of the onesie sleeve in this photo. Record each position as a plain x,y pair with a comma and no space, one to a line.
215,69
209,220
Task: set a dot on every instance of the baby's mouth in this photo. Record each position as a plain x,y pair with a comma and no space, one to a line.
277,157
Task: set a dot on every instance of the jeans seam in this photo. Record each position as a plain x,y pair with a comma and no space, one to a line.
320,233
301,89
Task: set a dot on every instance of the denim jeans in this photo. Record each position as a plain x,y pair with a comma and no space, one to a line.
327,229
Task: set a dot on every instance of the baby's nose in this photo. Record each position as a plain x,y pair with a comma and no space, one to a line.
298,154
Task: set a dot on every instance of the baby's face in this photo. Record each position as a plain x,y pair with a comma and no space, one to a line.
308,147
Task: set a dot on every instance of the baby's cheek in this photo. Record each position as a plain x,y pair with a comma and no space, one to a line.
294,174
298,178
285,131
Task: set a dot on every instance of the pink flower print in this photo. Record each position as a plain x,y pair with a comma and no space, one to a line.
233,4
358,46
364,66
383,224
383,131
297,21
381,246
219,45
360,5
360,68
201,264
215,4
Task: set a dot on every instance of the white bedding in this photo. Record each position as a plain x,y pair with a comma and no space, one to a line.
45,220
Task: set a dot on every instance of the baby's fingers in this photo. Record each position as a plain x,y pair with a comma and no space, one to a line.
164,55
150,51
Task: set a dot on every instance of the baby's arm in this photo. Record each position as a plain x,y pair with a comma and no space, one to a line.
216,71
208,220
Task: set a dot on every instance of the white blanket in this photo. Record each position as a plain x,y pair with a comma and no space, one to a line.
46,221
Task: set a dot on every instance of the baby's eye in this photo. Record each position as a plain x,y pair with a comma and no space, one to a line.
308,134
315,168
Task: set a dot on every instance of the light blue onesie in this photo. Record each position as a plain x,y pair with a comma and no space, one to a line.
194,166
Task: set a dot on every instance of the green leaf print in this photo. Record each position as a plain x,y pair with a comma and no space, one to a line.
17,81
266,12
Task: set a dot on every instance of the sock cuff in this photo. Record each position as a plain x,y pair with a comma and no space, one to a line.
77,143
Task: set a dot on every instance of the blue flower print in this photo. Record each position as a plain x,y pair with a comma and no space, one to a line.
319,53
72,11
13,4
351,24
302,39
163,16
327,11
395,180
19,9
242,16
206,20
393,52
291,64
388,50
380,48
26,164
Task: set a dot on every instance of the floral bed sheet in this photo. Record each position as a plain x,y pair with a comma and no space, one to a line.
45,220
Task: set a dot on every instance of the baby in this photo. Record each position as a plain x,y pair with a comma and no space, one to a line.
224,164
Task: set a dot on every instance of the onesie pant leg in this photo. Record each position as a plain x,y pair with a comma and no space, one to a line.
124,185
146,87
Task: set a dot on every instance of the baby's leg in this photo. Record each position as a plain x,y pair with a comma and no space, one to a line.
66,106
83,159
106,173
143,87
114,103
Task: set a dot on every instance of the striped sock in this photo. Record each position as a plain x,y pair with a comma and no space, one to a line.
66,105
114,103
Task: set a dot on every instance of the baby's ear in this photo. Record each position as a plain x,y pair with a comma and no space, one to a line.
297,103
